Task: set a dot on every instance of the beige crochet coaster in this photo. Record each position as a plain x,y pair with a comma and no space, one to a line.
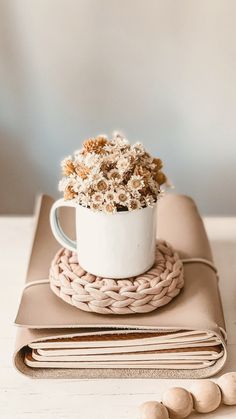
141,294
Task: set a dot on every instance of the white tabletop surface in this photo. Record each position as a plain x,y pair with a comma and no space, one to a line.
22,398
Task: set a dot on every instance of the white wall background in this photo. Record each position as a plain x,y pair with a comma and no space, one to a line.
163,71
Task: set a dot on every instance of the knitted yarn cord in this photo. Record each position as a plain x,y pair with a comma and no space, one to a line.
141,294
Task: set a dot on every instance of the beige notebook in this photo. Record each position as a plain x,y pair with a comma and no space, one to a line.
183,339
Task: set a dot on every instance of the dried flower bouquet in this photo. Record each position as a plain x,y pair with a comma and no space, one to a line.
112,175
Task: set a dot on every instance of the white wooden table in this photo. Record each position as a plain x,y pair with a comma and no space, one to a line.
22,398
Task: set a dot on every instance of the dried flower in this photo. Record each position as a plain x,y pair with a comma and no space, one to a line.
149,201
102,185
69,193
68,167
135,194
157,164
112,175
109,208
82,171
153,185
98,197
110,196
139,149
83,199
91,160
123,164
160,177
64,182
122,197
136,182
142,171
95,206
95,144
134,204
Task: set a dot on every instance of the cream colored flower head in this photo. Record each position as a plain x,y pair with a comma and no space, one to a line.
134,204
136,183
123,165
102,185
98,197
110,196
110,175
122,197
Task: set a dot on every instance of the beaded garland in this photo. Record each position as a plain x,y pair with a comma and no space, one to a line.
205,397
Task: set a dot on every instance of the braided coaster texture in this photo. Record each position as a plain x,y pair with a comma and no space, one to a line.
141,294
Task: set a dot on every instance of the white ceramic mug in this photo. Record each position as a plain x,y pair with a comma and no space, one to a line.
118,245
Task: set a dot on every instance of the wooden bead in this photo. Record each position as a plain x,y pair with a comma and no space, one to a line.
206,396
179,402
153,410
227,384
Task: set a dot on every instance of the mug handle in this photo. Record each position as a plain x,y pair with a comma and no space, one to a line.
58,233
